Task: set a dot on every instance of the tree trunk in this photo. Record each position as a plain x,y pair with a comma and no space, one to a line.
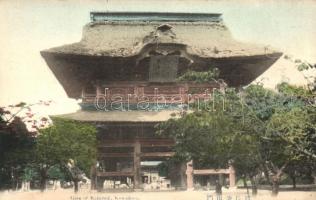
275,186
293,181
43,184
254,187
266,173
76,185
93,174
43,173
276,177
17,185
14,179
14,184
245,184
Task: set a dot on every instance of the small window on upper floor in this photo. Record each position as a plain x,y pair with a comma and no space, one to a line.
163,68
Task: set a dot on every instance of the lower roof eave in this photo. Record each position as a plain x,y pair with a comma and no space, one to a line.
120,116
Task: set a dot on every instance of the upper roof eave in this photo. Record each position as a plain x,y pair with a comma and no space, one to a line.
130,53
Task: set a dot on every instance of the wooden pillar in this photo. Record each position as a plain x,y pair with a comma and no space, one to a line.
93,176
177,174
221,179
189,173
137,170
98,91
232,176
182,181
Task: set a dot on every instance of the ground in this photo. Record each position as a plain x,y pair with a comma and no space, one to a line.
181,195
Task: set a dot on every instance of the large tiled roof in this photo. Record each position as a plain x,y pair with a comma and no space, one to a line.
128,38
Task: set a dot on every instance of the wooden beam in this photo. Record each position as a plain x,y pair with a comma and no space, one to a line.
108,174
116,144
210,171
158,143
114,155
157,154
143,143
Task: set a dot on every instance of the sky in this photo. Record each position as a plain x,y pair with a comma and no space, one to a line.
26,27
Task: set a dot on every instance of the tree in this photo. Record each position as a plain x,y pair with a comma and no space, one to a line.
300,169
223,131
16,143
251,130
63,141
295,129
281,113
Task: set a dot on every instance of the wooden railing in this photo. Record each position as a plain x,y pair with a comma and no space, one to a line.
133,92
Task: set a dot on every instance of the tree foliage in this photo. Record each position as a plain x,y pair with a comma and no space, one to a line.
26,157
258,129
200,77
64,141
